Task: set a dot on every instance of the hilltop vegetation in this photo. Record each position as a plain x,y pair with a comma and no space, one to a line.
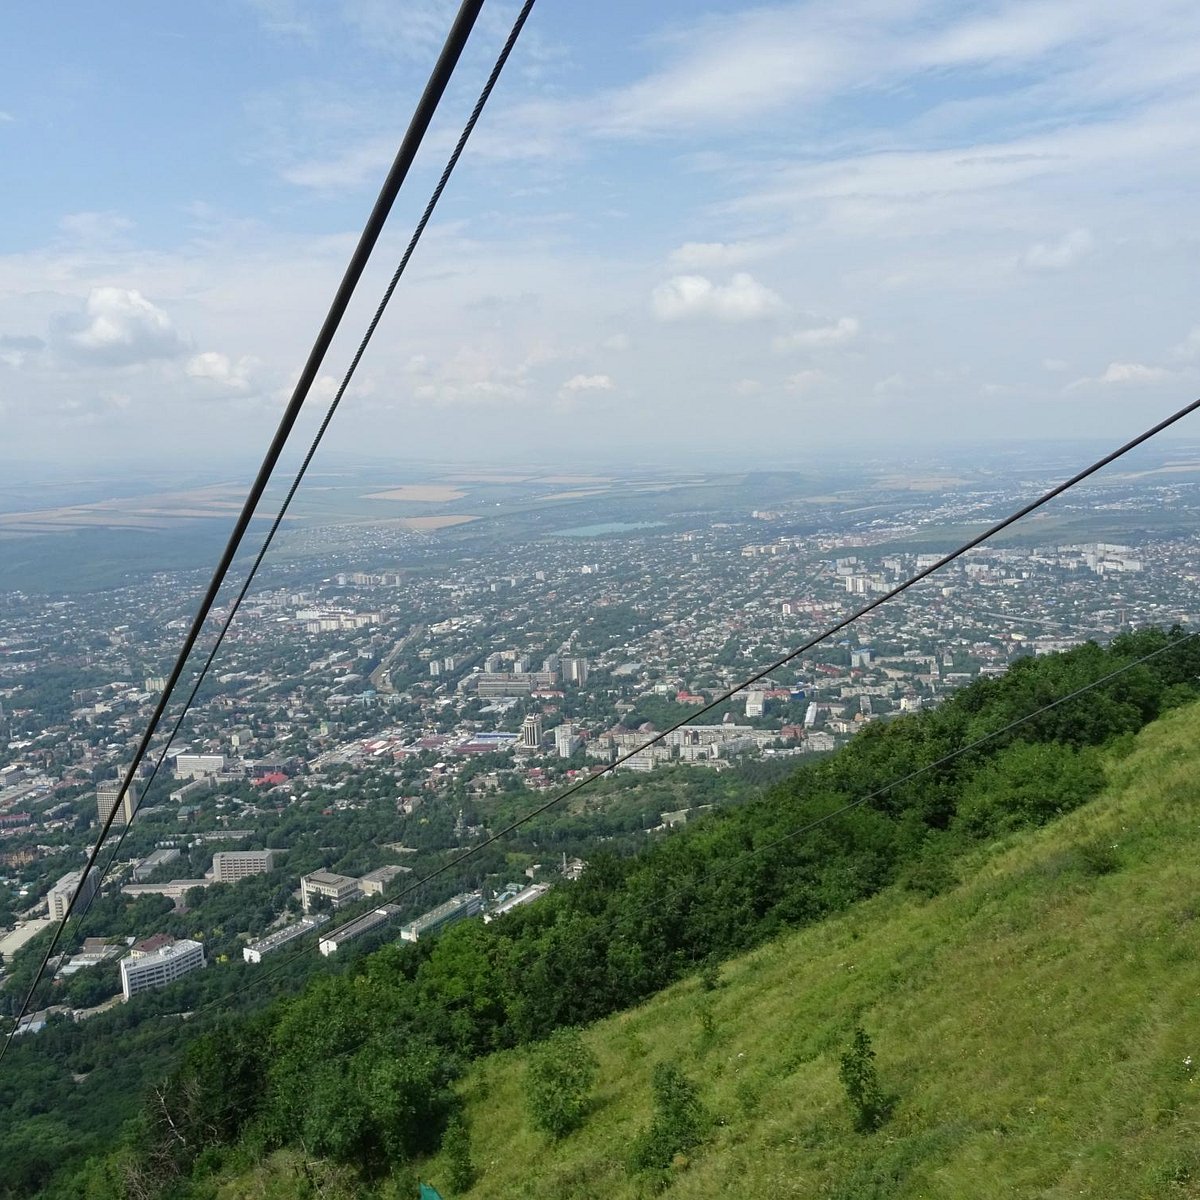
362,1069
1036,1029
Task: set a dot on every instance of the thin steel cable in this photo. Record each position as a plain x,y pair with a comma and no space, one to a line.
812,642
829,632
738,860
439,78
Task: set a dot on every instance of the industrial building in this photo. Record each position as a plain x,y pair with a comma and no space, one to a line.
338,889
375,883
152,861
516,899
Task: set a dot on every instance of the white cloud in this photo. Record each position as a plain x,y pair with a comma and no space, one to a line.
710,256
350,168
119,327
1125,372
95,226
16,350
891,386
804,381
1056,256
1054,364
1189,348
221,369
93,409
588,383
618,342
747,387
6,118
842,331
1121,374
743,298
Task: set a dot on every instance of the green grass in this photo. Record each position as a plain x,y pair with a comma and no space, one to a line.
1032,1025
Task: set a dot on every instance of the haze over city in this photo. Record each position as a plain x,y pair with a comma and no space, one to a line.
679,229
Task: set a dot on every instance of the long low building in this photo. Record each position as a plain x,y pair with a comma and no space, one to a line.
466,904
355,929
173,889
255,951
161,967
516,899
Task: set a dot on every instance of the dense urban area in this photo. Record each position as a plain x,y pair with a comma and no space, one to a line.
388,699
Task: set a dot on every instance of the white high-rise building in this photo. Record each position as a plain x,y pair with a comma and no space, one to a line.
575,669
59,898
531,731
161,967
106,801
566,740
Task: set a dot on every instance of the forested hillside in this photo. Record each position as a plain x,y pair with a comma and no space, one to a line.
366,1069
1035,1029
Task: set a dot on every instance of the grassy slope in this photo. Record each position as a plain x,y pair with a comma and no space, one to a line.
1031,1022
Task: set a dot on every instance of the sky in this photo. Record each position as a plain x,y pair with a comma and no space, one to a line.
681,229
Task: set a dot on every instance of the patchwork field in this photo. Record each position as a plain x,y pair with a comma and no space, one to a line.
419,493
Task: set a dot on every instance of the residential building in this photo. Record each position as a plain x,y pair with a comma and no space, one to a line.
106,800
162,966
231,865
194,766
59,898
575,669
566,740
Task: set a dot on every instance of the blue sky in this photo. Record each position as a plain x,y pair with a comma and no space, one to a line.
680,228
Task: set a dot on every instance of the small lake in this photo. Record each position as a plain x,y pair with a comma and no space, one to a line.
609,527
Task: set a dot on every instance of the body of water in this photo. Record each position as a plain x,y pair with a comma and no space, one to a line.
608,527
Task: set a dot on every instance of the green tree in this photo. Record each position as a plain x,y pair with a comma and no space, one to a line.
559,1080
680,1120
861,1081
456,1145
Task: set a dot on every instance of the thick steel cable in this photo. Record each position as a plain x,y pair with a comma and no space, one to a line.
427,105
436,195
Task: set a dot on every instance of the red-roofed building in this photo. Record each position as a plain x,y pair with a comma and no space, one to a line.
156,941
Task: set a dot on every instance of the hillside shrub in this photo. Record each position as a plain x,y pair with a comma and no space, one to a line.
559,1081
679,1123
456,1145
861,1081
